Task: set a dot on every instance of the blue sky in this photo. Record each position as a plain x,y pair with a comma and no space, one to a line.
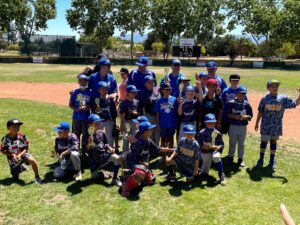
59,26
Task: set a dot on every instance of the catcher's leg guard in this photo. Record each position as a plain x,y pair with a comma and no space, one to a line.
135,179
150,178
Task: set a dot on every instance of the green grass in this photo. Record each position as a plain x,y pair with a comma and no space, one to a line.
250,197
254,79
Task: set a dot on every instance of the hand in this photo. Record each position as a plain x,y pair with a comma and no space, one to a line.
198,84
16,157
218,91
206,147
245,117
238,117
90,140
218,126
215,148
168,161
71,92
256,127
132,139
180,100
288,220
61,156
196,76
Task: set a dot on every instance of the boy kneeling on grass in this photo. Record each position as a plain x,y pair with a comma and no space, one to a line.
212,144
66,149
15,146
186,156
137,160
99,152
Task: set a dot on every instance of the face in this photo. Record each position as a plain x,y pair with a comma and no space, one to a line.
189,137
211,88
210,125
142,68
147,134
240,96
63,134
96,125
175,68
149,84
132,95
273,88
166,92
234,83
190,95
211,70
14,129
104,69
124,75
103,91
82,82
203,81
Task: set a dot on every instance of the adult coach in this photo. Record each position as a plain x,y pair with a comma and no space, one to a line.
211,74
103,75
136,77
174,77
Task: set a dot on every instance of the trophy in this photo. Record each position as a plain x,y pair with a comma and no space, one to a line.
214,135
91,132
167,79
97,101
127,131
181,84
81,100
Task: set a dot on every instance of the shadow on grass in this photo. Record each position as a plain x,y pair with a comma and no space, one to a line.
134,194
202,181
257,174
10,181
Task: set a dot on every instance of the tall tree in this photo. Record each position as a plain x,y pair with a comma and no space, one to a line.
132,16
93,17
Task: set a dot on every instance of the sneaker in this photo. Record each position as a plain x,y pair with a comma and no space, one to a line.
241,163
230,159
170,176
78,176
222,180
272,166
38,180
117,182
260,163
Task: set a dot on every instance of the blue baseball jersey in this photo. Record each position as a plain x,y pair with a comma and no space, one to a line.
148,100
106,110
190,110
131,109
187,152
141,151
167,109
95,78
272,109
136,78
228,95
221,82
173,83
70,143
239,108
80,98
205,137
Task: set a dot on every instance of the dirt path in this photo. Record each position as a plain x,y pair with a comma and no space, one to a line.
59,94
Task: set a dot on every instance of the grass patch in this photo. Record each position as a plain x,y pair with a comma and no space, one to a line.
251,196
254,79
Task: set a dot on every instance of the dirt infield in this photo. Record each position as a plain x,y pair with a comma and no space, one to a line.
59,94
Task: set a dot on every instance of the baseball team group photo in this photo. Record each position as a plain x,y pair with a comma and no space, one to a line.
143,118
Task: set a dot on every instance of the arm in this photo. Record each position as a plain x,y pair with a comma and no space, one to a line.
298,99
158,120
179,110
122,124
259,115
196,168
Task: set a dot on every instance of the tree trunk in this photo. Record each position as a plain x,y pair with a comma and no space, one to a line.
131,46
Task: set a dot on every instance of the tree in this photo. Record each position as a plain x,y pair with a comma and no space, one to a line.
13,47
157,47
138,47
151,38
246,47
93,18
286,50
132,17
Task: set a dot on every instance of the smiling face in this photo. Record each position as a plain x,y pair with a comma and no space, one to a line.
103,91
211,88
273,88
189,137
13,130
175,68
149,84
240,96
234,83
63,134
104,69
83,82
142,68
211,71
95,125
166,92
190,95
124,75
210,125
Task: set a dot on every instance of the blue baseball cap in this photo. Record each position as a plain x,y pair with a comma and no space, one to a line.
176,62
190,88
211,64
210,118
270,82
102,84
131,88
241,89
140,119
63,126
189,129
144,126
83,77
143,61
147,78
104,61
202,75
94,118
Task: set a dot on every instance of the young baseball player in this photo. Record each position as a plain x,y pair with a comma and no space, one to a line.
212,104
15,146
189,110
129,110
80,101
270,112
211,144
203,77
122,87
66,149
166,113
211,74
99,152
186,156
137,159
239,113
105,107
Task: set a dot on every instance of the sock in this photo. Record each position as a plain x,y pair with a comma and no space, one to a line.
263,146
273,148
115,171
220,168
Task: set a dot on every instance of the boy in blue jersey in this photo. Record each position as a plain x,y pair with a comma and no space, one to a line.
212,145
166,114
270,111
80,101
239,113
105,107
186,156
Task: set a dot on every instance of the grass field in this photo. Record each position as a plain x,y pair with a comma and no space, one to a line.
252,196
254,79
